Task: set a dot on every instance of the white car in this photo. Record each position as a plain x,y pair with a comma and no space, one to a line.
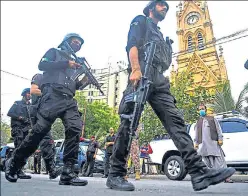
235,147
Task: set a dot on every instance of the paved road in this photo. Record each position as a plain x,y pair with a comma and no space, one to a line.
40,185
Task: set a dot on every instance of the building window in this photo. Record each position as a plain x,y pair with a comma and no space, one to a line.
190,44
200,41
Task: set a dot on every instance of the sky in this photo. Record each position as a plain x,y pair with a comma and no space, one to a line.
30,28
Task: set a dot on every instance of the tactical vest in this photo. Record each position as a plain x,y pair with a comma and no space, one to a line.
61,76
163,53
20,110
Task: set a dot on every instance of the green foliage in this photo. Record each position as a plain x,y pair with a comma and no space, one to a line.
5,133
151,125
188,102
99,117
242,99
58,131
224,102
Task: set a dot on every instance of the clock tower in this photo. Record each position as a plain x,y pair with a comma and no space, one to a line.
198,54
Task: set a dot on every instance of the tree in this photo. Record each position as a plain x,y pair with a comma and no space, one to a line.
58,130
187,100
224,102
151,125
99,117
246,108
5,133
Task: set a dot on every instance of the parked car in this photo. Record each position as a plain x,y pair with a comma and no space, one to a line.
235,133
99,164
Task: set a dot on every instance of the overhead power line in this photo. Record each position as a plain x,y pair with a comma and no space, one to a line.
15,75
174,55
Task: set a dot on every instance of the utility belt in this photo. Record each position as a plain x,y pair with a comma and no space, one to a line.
50,88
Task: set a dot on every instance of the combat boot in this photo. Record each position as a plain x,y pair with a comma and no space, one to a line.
119,183
52,170
10,171
22,175
137,175
68,177
55,172
205,177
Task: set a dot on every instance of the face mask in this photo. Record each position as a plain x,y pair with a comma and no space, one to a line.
75,47
202,113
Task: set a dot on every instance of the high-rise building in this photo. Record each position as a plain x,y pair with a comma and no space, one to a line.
113,80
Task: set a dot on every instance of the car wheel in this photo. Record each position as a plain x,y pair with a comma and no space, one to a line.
174,168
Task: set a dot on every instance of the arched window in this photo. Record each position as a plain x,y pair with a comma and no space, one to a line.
200,41
190,44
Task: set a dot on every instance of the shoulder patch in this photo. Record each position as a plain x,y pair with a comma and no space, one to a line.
134,23
44,59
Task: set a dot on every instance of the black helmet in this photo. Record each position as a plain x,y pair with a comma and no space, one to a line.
152,4
25,91
71,35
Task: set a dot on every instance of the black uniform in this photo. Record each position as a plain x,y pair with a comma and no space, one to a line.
108,153
46,145
88,167
19,128
56,102
143,30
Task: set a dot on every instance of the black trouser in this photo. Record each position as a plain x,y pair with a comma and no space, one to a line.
107,163
37,161
48,151
88,167
163,104
47,146
52,105
18,133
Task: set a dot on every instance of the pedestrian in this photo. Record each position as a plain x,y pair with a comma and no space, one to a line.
91,153
144,156
109,142
37,161
134,157
144,29
20,124
209,139
58,90
46,146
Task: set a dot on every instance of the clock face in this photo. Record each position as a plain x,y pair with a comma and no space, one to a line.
192,18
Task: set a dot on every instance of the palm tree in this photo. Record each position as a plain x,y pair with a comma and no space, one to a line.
224,102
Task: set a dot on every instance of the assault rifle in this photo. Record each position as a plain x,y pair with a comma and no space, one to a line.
84,69
139,97
30,117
